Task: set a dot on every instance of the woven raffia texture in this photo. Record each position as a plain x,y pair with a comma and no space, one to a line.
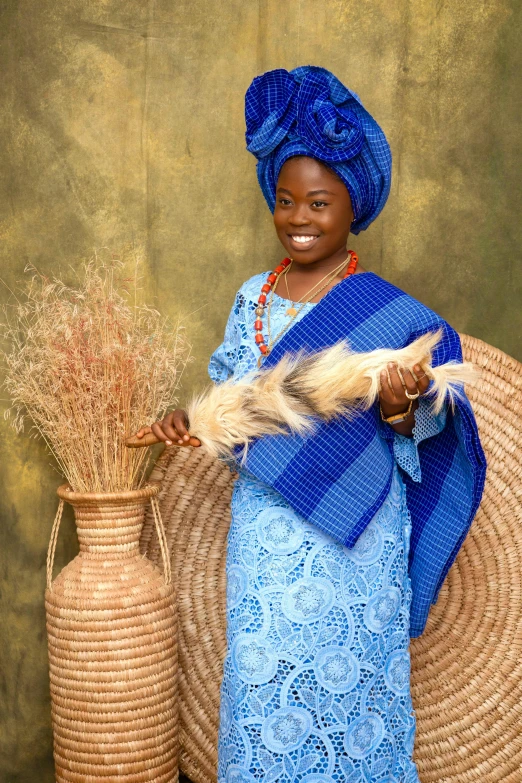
466,666
111,627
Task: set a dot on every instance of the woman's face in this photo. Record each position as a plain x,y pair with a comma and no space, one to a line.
313,211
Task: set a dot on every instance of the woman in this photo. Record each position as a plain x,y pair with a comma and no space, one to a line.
339,541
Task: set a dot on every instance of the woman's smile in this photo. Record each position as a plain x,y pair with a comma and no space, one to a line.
302,241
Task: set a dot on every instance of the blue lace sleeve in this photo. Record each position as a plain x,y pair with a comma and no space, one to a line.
223,361
426,425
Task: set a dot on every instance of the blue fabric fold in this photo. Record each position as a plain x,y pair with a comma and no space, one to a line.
308,111
339,477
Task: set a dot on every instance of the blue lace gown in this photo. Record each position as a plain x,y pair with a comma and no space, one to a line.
316,680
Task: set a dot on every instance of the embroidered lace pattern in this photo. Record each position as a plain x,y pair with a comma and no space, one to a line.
426,425
316,681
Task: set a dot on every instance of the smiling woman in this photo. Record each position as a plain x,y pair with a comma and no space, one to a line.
312,217
324,590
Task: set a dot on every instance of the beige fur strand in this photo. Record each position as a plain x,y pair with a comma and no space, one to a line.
290,397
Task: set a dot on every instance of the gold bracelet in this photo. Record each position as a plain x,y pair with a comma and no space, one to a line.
398,417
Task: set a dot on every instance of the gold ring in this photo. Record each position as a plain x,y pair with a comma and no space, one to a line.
411,396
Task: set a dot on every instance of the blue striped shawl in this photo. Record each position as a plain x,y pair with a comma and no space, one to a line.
339,477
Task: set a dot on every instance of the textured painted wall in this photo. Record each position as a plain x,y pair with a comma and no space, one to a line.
123,121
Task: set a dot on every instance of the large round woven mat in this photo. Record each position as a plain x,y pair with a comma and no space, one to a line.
466,666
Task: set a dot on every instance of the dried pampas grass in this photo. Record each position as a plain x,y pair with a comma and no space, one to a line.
87,365
302,388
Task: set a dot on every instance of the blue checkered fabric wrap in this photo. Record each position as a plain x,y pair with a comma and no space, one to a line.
308,111
339,477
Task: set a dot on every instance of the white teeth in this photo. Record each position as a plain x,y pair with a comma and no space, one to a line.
303,239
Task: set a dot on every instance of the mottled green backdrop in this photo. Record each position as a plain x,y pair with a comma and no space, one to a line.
122,121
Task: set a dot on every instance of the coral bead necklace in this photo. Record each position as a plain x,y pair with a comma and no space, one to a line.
269,288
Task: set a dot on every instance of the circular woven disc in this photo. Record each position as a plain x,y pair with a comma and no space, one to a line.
466,666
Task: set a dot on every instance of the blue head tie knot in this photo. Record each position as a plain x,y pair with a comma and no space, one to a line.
308,111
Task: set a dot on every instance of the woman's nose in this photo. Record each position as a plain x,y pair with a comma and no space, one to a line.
299,217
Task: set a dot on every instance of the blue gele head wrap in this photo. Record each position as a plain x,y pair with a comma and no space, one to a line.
309,112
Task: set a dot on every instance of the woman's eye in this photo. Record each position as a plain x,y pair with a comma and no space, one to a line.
284,201
319,204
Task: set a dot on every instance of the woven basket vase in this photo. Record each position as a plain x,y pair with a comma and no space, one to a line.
466,666
111,628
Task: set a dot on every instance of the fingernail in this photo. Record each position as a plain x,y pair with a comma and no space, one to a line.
417,368
180,442
186,437
168,442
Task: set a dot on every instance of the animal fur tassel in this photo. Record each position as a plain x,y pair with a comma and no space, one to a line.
290,397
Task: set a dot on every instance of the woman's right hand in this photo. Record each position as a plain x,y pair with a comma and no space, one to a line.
172,429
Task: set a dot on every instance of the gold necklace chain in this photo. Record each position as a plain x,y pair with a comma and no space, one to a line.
334,272
331,276
286,283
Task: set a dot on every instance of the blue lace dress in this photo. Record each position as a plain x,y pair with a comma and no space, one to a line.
316,680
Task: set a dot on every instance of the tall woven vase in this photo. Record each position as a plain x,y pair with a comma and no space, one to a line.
111,628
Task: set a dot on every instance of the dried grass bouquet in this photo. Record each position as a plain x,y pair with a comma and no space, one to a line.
87,365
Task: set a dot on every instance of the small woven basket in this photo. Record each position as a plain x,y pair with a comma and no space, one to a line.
466,666
111,628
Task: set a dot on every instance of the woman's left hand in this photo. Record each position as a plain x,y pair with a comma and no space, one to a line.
392,396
